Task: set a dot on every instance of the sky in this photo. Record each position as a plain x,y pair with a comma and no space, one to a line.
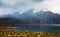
11,6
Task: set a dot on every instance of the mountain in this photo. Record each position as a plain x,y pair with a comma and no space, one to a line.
15,15
26,16
48,17
40,17
45,16
28,13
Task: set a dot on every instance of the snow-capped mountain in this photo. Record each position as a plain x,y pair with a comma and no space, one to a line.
40,17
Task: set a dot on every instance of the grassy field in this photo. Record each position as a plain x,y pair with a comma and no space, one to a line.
26,33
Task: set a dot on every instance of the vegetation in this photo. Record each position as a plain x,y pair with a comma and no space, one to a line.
26,33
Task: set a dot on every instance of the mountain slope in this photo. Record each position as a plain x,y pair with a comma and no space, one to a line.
40,17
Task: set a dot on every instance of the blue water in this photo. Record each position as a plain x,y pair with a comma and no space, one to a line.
38,27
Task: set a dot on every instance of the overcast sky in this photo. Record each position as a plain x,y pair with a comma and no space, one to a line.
10,6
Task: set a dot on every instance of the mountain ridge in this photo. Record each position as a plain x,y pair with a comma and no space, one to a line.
40,17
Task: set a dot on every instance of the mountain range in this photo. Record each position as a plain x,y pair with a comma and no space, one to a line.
39,17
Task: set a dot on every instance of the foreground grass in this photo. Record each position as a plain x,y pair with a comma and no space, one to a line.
26,33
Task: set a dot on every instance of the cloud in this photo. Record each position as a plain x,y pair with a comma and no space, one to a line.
10,6
4,11
38,0
15,5
52,5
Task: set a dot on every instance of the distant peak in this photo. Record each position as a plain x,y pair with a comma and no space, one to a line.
45,10
29,11
16,13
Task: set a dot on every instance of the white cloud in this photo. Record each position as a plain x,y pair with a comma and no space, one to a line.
4,11
53,5
8,2
9,6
